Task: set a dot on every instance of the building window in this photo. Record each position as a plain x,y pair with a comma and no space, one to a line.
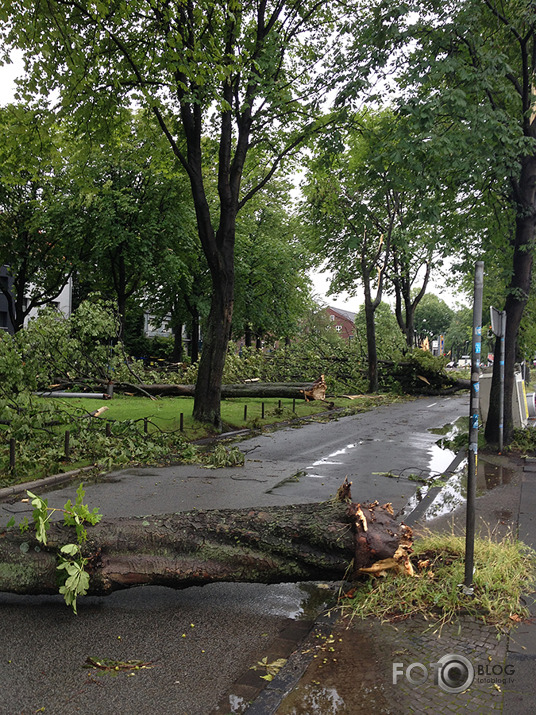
338,328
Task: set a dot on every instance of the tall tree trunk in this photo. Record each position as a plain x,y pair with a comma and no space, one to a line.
372,351
16,304
176,354
518,294
215,342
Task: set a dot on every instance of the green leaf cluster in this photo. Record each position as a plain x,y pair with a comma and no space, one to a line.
72,563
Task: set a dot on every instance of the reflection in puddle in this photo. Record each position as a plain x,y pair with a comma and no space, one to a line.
440,459
453,493
318,700
451,488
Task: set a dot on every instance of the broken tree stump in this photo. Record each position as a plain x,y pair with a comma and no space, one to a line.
264,545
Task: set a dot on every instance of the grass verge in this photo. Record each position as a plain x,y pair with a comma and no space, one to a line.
504,572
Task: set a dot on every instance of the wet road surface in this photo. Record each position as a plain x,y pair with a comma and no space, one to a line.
197,642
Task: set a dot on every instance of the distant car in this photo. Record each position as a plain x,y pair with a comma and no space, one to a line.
464,361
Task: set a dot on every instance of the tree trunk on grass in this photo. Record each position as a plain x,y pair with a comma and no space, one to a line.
252,389
260,545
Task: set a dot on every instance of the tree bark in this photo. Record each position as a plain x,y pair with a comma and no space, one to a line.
518,294
257,545
253,389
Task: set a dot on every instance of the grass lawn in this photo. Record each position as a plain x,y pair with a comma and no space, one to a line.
164,413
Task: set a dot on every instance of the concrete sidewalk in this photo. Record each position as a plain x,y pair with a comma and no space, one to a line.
348,668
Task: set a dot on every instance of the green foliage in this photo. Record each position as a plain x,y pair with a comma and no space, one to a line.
222,456
272,287
432,317
35,209
81,348
71,560
524,441
390,342
314,355
416,371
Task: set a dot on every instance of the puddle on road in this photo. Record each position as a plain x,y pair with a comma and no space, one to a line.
298,601
491,473
454,493
453,486
340,679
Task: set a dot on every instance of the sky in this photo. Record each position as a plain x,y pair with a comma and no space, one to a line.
320,280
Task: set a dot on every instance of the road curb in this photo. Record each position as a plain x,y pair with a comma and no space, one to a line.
54,479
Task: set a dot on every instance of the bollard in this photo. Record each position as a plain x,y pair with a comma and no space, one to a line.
108,429
67,448
245,413
181,422
145,426
262,410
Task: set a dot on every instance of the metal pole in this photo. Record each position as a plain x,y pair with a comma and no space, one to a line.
501,396
473,428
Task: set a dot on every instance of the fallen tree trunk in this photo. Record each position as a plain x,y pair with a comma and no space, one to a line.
263,545
250,389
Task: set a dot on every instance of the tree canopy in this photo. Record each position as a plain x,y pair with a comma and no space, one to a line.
248,75
462,73
36,210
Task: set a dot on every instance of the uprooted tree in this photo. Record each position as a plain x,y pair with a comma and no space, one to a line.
275,544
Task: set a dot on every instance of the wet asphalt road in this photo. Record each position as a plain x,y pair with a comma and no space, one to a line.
200,640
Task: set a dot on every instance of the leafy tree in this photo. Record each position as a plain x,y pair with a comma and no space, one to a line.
178,295
464,74
36,214
458,334
133,207
248,75
272,288
433,317
411,263
390,342
369,218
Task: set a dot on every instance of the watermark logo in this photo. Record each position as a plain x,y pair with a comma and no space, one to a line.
452,673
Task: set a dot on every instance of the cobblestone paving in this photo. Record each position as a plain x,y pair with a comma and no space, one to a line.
352,670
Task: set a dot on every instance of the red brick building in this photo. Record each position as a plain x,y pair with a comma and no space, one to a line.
343,322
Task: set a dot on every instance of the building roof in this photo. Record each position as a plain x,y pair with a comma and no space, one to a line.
346,314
